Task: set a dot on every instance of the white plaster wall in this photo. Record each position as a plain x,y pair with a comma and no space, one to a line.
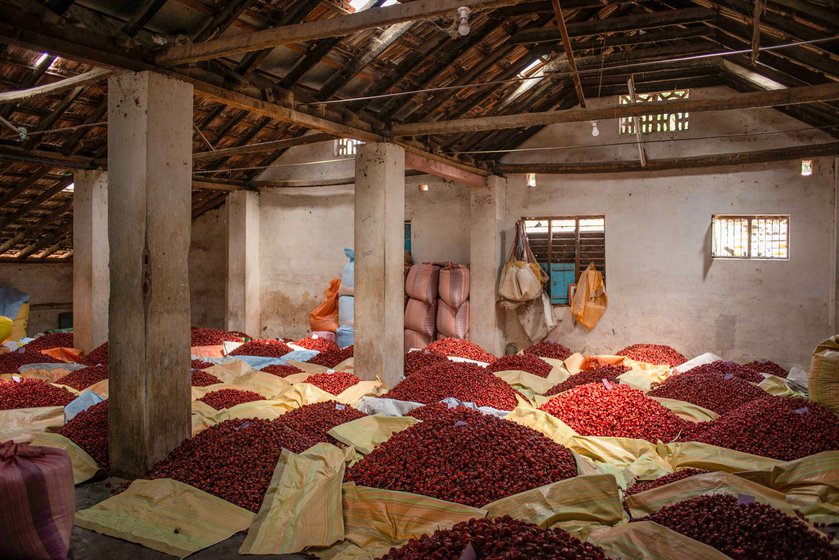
208,268
50,289
662,285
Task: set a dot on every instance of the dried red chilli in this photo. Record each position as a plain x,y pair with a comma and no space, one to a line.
463,381
98,355
225,398
32,393
313,421
644,485
730,369
81,379
327,359
281,370
89,430
785,428
615,411
12,361
767,366
709,389
460,348
200,364
466,457
267,348
745,531
203,379
215,337
497,538
48,341
334,383
347,352
547,349
653,354
521,362
233,460
317,344
421,359
609,373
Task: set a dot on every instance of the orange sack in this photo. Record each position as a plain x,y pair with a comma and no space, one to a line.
324,317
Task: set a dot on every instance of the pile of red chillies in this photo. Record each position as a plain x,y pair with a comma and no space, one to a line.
32,393
317,344
226,398
313,421
266,348
334,383
89,430
615,411
421,359
463,381
281,370
767,366
98,355
784,428
200,364
644,485
709,389
596,375
81,379
11,362
460,348
521,362
234,460
215,337
729,369
653,354
203,379
495,539
547,349
463,456
745,531
50,340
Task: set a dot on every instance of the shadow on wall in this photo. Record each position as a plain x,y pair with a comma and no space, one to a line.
706,252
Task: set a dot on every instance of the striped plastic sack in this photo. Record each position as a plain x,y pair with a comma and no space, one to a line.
37,502
414,339
167,516
303,505
421,317
453,285
453,322
422,282
824,374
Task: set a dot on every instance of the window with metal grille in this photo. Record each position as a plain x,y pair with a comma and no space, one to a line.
750,237
650,124
346,146
564,246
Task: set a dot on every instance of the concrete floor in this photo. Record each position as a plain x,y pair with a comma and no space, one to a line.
89,545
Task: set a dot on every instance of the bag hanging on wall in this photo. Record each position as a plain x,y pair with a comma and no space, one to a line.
522,279
324,317
590,301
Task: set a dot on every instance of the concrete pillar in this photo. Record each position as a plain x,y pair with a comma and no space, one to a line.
379,261
90,259
149,221
243,262
485,256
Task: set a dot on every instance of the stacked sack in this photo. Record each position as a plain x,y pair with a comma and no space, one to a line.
421,309
346,303
453,304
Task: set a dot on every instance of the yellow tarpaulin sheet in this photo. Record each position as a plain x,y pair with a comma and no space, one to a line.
303,505
353,395
201,420
650,501
533,384
376,520
646,540
811,485
302,394
541,421
368,432
307,367
23,424
589,498
267,385
101,388
687,411
777,386
199,392
167,516
48,374
84,466
265,409
230,371
712,458
343,550
347,365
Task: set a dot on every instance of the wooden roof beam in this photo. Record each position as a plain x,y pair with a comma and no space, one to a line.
87,78
715,160
769,98
33,229
9,219
54,239
569,52
263,146
334,27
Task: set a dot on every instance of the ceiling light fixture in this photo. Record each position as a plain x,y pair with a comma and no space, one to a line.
463,26
530,179
594,130
423,187
41,59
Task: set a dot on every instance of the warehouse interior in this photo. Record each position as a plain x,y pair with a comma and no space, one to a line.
602,233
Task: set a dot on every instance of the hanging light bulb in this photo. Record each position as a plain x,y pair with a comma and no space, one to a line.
463,26
594,130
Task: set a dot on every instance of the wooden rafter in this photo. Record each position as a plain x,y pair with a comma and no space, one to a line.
93,76
263,146
569,52
36,227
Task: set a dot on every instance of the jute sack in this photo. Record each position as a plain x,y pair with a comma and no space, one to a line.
824,374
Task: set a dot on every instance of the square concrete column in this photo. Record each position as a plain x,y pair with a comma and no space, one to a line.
485,255
90,259
379,261
149,222
243,262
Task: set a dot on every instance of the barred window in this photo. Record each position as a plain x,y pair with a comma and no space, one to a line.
651,124
347,146
750,237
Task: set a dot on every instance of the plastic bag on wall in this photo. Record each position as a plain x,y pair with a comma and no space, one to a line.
536,318
590,301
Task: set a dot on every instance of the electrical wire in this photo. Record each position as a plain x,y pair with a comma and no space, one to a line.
586,71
